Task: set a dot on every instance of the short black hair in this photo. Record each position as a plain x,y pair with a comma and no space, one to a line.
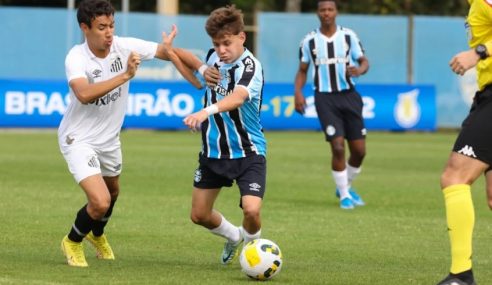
90,9
335,1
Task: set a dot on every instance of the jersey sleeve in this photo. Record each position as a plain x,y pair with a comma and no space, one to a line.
74,65
356,49
146,49
304,55
251,78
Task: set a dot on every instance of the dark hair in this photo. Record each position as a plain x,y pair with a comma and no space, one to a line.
90,9
334,1
225,21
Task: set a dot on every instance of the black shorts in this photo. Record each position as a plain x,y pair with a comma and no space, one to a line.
249,174
475,137
340,114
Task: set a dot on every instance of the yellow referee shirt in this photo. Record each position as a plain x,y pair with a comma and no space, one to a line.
480,24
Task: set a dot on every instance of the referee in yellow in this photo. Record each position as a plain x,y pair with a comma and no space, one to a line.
472,151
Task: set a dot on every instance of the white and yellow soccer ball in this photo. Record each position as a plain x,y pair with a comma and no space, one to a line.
261,259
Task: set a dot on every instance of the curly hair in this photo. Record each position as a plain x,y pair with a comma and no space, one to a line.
225,21
90,9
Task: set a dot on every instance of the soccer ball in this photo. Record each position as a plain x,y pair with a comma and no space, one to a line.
261,259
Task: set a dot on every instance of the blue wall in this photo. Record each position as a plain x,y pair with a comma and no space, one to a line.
34,42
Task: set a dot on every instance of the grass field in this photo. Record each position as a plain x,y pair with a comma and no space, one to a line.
399,237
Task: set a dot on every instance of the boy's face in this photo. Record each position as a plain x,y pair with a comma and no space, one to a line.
229,47
100,35
327,12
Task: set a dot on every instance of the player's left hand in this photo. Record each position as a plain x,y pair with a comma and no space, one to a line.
212,76
167,40
195,120
463,61
353,71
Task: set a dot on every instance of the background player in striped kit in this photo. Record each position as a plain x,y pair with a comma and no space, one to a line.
332,50
98,72
472,150
234,146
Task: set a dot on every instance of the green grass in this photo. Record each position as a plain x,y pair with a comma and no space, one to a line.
399,237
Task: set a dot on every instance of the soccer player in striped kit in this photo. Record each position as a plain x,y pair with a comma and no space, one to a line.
233,144
472,151
332,50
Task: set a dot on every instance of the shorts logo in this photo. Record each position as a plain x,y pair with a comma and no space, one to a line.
117,167
69,140
93,162
254,187
330,130
363,131
468,151
198,175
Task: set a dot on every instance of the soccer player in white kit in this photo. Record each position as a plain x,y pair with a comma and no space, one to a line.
98,72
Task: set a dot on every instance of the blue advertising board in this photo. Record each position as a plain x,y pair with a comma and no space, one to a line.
163,105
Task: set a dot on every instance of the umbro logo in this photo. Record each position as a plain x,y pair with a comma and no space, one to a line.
468,151
254,187
96,73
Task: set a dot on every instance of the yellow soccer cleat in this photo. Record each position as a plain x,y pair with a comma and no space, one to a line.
103,249
74,252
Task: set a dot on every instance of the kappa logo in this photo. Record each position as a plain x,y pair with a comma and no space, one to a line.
254,187
198,175
468,151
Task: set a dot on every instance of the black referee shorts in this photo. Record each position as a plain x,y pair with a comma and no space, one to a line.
475,137
340,114
249,173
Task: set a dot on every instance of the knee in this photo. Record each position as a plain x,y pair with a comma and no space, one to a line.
198,217
338,150
99,208
358,154
251,213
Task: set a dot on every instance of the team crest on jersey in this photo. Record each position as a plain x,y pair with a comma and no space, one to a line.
117,65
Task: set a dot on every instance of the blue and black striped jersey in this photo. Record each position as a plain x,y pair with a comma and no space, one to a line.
237,133
330,57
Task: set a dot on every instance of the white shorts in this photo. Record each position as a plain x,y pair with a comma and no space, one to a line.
84,161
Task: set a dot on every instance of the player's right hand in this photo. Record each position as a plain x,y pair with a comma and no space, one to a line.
194,121
300,103
132,64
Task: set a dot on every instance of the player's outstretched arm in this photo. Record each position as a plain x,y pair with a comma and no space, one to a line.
166,51
86,92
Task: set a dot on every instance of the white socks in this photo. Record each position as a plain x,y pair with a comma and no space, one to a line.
227,230
352,172
249,237
341,181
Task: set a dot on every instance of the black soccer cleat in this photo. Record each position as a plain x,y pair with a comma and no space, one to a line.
463,278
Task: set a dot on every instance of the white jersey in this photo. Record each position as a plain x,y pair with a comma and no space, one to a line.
98,123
